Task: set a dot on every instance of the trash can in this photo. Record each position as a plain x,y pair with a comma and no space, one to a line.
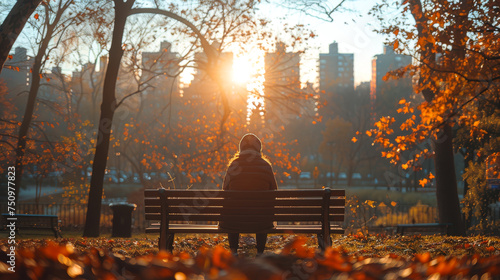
122,219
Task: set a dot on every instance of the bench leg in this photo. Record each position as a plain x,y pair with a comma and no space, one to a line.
324,243
56,233
170,242
167,243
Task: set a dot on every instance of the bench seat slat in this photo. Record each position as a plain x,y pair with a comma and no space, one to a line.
249,195
238,218
249,211
243,203
180,228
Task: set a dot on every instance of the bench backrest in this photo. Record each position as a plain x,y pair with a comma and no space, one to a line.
249,206
32,220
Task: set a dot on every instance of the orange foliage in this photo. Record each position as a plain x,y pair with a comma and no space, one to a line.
463,77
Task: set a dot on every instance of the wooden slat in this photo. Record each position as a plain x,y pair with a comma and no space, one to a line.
179,228
238,218
244,203
250,211
242,194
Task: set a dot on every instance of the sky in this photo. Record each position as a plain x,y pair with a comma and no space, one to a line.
352,29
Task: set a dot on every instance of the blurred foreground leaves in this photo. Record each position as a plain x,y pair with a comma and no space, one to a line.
353,257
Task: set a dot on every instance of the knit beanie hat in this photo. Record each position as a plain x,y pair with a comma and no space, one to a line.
250,141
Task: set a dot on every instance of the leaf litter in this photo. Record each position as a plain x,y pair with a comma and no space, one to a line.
286,257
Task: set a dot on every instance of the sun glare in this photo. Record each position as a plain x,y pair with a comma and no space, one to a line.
248,71
242,70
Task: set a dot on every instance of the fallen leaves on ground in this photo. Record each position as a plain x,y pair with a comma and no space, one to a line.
289,257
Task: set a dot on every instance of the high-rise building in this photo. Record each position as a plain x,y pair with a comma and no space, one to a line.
282,82
16,73
381,65
159,70
336,70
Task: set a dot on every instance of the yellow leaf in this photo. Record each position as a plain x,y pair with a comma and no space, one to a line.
371,203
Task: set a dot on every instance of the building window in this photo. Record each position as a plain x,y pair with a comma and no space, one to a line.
340,63
340,74
341,69
398,58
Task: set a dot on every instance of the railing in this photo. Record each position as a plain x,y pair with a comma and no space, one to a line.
72,216
376,218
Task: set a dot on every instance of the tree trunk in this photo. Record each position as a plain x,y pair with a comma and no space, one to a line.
13,25
108,106
444,163
446,182
350,171
25,125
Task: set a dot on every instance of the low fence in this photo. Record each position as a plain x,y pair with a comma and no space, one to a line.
72,216
379,217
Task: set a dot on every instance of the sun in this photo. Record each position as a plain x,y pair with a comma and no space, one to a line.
242,70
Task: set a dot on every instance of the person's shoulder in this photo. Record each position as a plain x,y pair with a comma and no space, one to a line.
265,163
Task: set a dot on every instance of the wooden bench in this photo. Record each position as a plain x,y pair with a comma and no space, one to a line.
33,221
425,229
295,211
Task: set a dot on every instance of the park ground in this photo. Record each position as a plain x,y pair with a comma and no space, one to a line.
202,256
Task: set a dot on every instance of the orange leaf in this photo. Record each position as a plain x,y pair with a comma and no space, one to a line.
394,203
354,140
371,203
431,176
422,182
36,16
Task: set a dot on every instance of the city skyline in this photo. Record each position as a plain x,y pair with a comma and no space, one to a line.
352,29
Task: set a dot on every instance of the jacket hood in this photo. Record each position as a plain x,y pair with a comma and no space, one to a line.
251,142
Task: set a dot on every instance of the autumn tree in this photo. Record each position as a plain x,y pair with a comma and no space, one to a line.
457,68
13,24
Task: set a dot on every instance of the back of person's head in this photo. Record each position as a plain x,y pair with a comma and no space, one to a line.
250,141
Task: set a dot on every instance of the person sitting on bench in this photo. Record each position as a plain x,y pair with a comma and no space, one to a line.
249,170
